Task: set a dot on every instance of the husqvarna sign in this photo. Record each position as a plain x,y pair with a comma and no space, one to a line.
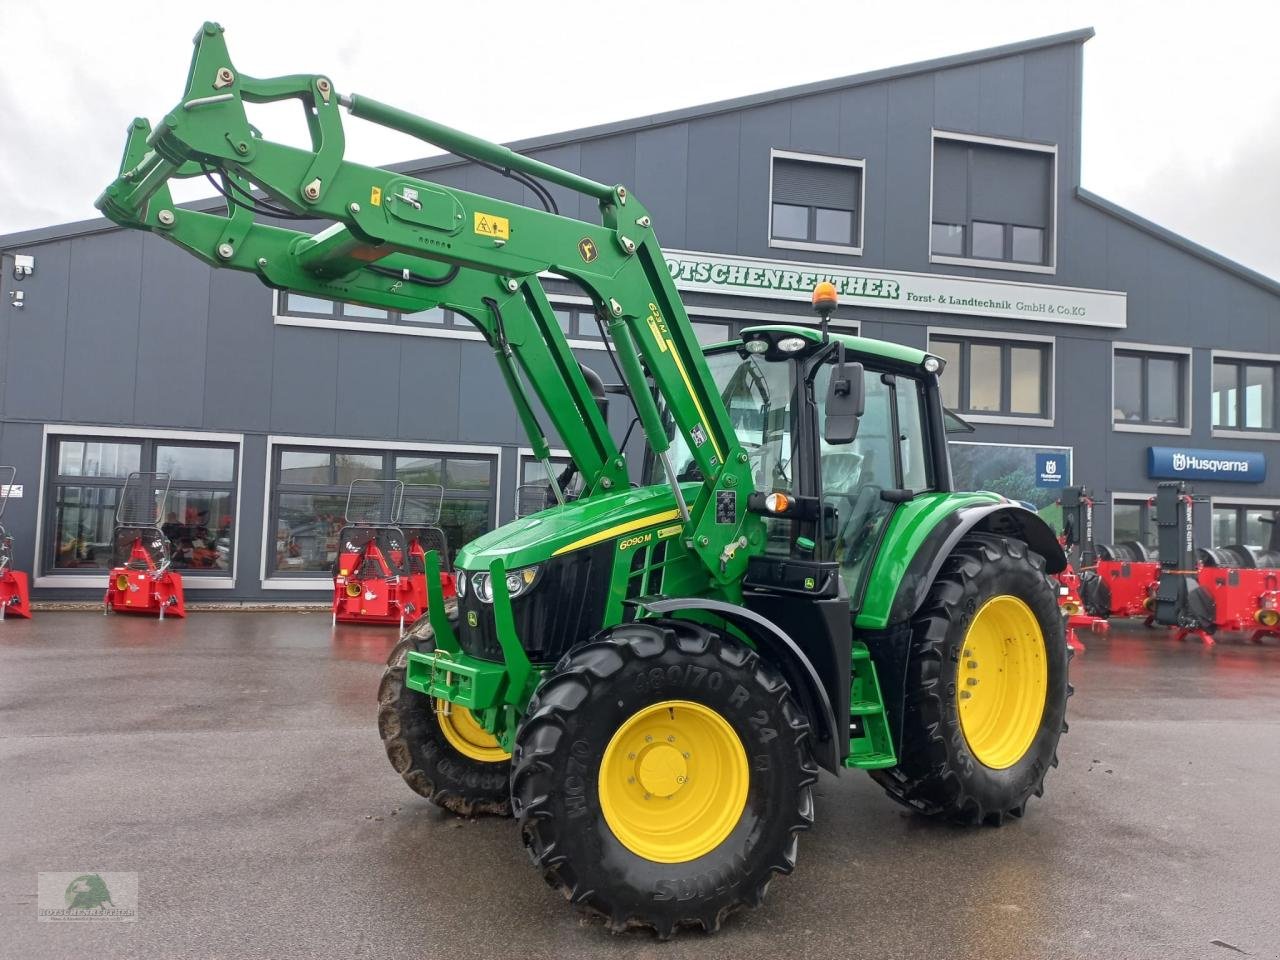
1181,463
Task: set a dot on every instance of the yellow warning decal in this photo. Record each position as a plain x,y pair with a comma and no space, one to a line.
670,531
487,225
375,196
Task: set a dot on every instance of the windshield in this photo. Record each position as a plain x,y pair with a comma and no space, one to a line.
757,395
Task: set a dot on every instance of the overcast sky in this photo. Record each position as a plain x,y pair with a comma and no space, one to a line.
1181,99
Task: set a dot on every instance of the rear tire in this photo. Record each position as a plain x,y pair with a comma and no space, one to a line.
940,772
423,745
609,723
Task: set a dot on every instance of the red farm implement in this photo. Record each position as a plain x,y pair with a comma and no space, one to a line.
15,600
1232,588
142,580
380,575
1077,540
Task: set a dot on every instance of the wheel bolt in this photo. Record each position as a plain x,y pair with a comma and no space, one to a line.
972,681
631,756
972,664
648,739
965,694
671,739
631,779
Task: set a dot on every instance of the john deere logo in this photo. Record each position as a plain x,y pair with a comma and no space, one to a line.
87,892
587,247
472,619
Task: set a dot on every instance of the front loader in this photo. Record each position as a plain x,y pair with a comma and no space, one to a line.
652,676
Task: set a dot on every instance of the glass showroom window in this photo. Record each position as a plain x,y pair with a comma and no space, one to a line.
1244,395
995,377
533,492
1150,389
309,499
815,202
1133,520
84,489
1249,524
992,202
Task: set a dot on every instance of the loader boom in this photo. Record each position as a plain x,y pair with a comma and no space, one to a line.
406,244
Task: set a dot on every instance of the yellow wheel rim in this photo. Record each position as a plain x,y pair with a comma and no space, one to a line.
464,733
1002,682
673,781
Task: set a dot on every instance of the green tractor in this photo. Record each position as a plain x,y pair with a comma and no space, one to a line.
651,675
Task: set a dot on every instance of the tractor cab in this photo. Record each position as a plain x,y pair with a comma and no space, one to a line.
839,430
141,579
14,597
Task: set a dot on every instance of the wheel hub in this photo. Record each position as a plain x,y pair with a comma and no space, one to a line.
673,781
1002,681
662,770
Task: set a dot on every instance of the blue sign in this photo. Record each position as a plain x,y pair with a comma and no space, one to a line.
1182,463
1051,469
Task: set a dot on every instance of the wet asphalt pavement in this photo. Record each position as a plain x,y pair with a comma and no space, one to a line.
232,762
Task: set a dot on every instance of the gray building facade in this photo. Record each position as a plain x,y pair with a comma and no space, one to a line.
1083,342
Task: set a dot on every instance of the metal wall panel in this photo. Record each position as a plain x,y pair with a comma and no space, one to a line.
102,327
662,164
712,195
173,331
35,349
240,346
368,394
430,373
304,381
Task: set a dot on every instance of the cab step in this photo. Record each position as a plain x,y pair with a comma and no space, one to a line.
870,742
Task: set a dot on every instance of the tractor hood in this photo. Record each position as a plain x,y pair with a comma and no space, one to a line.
574,526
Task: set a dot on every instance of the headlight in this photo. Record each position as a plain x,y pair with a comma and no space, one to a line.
462,583
518,583
791,344
757,346
932,364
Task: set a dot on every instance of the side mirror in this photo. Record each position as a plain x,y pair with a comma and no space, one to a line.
845,398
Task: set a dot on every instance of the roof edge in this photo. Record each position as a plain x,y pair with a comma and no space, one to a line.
1180,242
566,137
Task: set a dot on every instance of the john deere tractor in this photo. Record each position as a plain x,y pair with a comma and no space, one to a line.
652,673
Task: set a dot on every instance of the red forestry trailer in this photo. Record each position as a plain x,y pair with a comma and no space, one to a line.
380,574
15,600
142,580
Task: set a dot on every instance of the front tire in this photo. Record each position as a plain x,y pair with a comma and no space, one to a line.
440,750
662,775
986,688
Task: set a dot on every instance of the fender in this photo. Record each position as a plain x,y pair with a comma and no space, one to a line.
784,653
1001,519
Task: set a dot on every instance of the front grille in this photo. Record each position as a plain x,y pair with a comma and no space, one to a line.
566,606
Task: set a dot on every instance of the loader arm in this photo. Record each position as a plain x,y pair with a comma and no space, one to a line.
406,244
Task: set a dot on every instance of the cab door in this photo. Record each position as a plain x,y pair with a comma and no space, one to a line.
863,481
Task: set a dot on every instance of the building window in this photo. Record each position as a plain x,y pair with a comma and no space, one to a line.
1244,395
309,499
995,377
1150,389
296,305
815,202
992,201
1243,523
1133,520
84,490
